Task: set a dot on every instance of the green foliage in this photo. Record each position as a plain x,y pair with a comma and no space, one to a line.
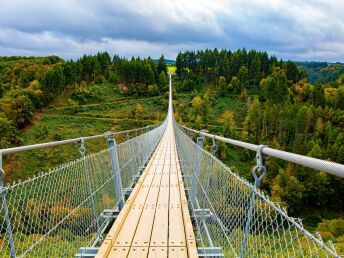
18,109
82,93
335,227
229,124
9,133
161,66
275,87
286,112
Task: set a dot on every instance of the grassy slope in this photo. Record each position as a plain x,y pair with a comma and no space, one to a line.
236,158
111,111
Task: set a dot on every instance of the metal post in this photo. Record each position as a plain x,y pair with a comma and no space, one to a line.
4,204
82,151
257,180
194,184
196,168
115,170
214,149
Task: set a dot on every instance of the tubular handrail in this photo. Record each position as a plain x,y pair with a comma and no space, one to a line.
314,163
73,140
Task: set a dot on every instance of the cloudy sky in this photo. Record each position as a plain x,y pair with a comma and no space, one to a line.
289,29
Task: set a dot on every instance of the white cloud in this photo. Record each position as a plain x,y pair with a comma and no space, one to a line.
294,29
50,43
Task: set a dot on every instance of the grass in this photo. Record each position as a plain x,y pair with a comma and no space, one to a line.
112,111
171,68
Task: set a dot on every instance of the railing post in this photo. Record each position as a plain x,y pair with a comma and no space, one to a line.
115,169
4,205
82,151
196,168
214,149
257,180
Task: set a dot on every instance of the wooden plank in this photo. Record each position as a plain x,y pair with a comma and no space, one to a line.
160,227
128,229
176,224
127,232
158,252
138,252
116,227
157,222
144,229
189,232
117,252
177,252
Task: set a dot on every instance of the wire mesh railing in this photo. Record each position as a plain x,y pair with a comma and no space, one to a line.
55,213
231,213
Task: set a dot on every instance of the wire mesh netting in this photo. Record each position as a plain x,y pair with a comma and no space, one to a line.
51,215
231,213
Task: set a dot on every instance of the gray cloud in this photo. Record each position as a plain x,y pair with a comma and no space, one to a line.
291,29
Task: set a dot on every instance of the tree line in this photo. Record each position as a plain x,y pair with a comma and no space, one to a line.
284,111
28,84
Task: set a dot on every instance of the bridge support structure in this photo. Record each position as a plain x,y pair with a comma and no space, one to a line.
4,205
115,170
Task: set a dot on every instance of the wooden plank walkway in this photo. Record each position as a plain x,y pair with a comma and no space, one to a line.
155,221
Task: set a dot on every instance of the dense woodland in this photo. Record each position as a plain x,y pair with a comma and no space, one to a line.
282,110
29,84
245,95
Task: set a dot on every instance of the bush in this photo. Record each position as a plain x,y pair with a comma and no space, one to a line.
113,78
82,93
334,226
18,109
9,135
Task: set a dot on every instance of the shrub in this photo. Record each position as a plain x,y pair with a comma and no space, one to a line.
18,109
9,135
334,226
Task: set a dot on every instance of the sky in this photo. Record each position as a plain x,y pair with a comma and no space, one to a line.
302,30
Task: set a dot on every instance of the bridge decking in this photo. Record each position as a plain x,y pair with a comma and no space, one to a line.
155,221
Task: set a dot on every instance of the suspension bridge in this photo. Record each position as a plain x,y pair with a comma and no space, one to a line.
155,194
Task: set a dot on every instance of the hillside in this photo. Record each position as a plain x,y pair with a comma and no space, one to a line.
322,72
245,95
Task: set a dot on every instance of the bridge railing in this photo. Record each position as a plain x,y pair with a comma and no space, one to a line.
56,212
231,213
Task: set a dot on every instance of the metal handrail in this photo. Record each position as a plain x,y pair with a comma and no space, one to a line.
63,142
314,163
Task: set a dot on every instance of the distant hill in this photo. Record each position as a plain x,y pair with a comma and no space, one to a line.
322,72
167,61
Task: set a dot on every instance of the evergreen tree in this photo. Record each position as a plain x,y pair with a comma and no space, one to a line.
161,67
275,87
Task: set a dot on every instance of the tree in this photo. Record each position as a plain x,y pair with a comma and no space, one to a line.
235,85
228,124
18,109
318,95
161,67
340,97
243,78
293,194
179,64
255,70
162,78
9,134
292,72
275,87
52,83
221,86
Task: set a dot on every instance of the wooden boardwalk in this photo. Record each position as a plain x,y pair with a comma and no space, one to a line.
155,221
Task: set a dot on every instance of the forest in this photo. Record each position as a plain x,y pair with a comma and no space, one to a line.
29,84
245,95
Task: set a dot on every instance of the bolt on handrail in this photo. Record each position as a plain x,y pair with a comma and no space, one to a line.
314,163
74,140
